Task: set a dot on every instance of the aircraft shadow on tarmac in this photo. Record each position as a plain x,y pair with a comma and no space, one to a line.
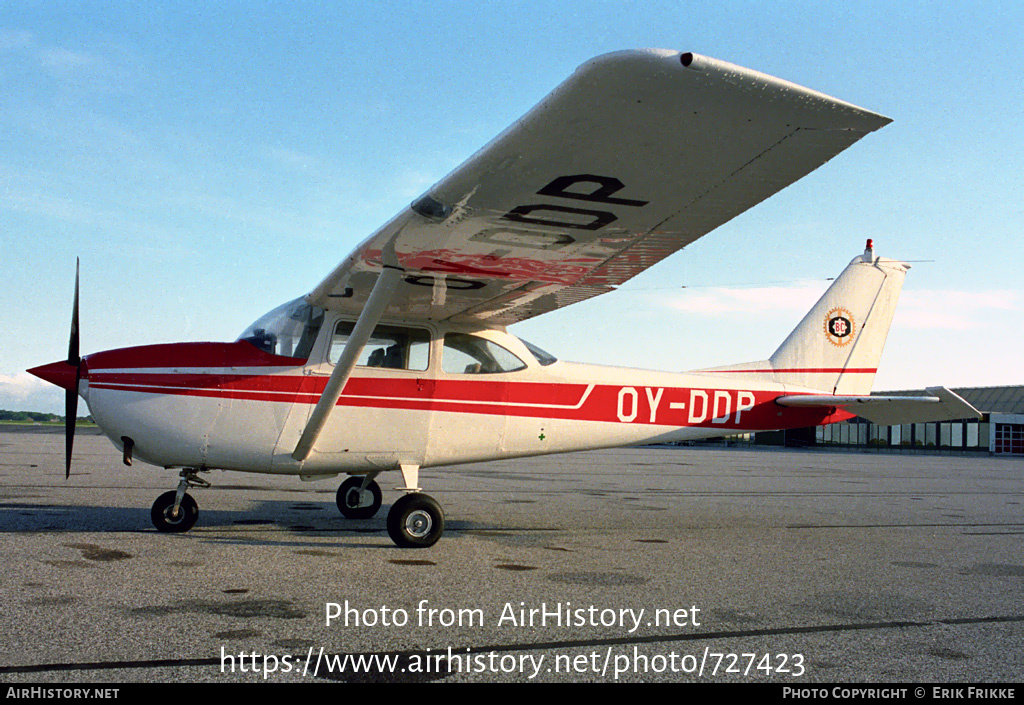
309,518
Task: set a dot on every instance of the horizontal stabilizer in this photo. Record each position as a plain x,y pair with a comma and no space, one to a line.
943,405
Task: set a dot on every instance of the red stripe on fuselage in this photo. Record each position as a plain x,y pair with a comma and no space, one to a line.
484,391
572,401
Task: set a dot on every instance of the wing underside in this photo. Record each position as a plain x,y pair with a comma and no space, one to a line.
635,156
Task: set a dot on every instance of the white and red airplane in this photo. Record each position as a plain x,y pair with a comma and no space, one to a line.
400,360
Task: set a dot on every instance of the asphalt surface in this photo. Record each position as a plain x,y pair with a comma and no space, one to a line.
798,567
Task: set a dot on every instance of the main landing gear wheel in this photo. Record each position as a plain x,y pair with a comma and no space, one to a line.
415,521
354,504
164,518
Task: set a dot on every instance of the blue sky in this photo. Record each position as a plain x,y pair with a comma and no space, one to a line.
208,161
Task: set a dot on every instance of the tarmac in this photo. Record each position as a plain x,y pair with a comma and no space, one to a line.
649,564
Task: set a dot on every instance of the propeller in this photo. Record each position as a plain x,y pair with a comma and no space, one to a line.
67,376
71,392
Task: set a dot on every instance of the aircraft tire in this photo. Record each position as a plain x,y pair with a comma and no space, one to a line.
415,521
188,513
348,496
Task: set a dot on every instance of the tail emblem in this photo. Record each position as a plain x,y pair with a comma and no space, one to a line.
839,327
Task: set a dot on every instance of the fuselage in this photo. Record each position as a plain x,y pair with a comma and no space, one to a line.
423,394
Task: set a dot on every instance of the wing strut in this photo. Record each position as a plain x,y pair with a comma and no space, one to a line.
381,295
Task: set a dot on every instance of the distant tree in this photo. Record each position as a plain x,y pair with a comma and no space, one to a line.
37,417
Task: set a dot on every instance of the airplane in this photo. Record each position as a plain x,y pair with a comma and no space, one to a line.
400,359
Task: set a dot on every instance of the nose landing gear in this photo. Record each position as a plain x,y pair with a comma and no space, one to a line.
176,512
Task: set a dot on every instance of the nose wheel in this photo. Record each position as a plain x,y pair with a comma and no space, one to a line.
171,521
175,512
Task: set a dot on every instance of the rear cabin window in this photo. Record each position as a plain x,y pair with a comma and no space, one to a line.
470,354
392,347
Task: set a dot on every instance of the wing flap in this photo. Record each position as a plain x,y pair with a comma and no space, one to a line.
943,405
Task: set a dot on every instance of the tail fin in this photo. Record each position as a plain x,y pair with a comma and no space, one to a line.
837,346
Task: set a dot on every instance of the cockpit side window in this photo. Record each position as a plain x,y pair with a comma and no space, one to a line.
470,354
393,347
289,330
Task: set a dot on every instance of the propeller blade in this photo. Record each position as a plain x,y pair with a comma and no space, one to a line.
73,357
70,417
71,395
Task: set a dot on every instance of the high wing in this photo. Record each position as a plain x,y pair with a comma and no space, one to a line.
890,410
636,155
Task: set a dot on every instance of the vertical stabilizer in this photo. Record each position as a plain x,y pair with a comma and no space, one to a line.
837,346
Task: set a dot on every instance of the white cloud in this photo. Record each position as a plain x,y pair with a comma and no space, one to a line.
20,385
16,40
291,158
24,392
106,68
62,61
932,309
715,301
937,309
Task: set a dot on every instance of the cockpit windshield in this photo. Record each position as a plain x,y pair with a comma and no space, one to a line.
289,330
543,357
